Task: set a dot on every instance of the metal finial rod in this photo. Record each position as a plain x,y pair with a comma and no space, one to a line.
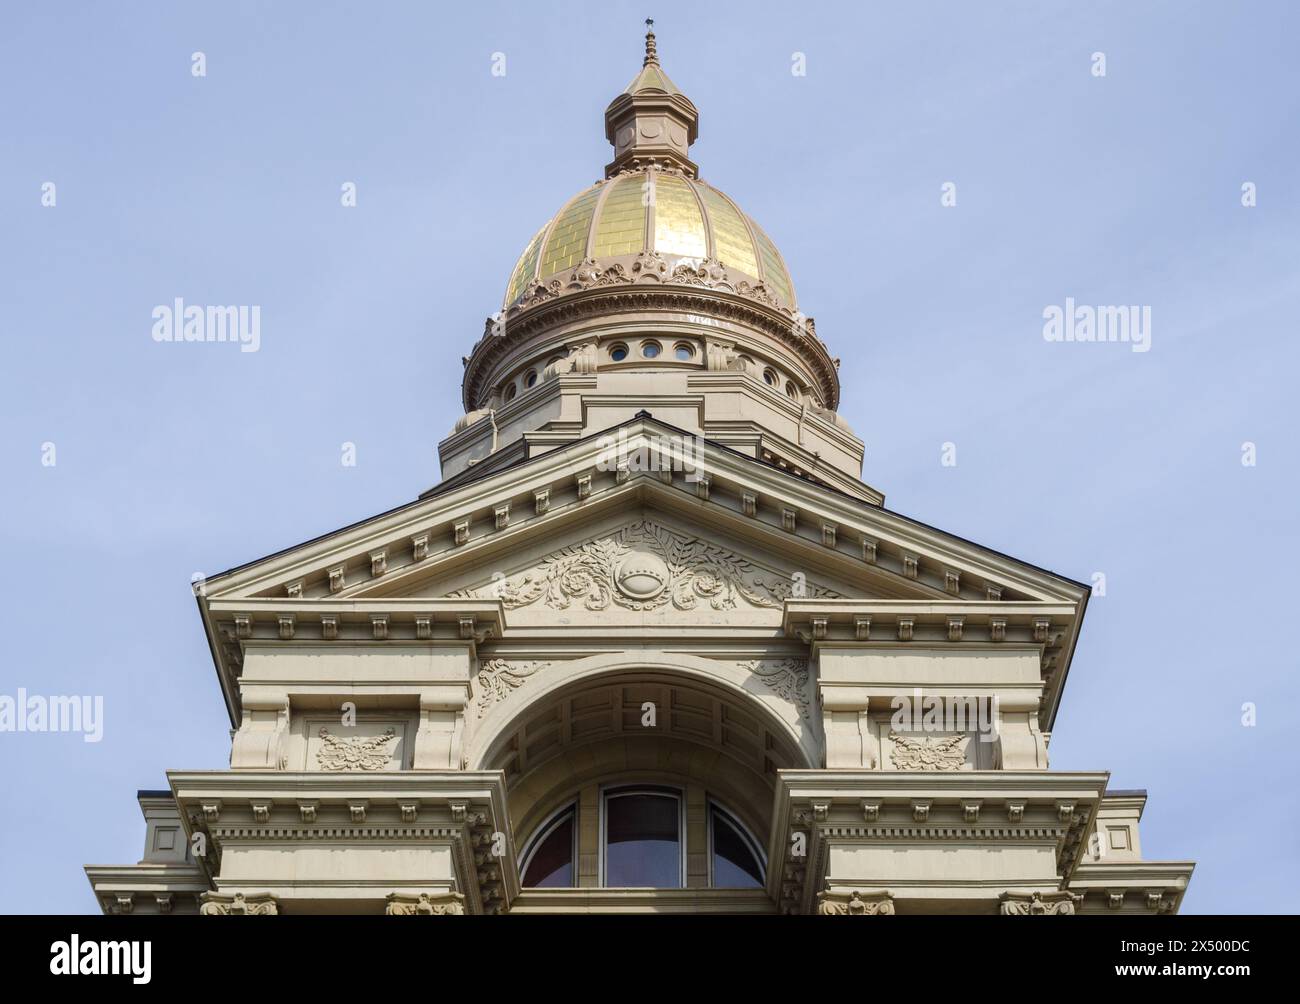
651,56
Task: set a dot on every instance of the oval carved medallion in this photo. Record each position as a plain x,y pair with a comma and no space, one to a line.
642,575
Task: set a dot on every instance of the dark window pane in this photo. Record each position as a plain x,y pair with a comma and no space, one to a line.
735,865
551,865
642,844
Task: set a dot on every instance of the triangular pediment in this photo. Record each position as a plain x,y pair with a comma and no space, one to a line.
573,498
575,537
641,562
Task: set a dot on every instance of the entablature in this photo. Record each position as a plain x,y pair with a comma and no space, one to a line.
1142,887
991,632
361,619
148,887
843,826
453,826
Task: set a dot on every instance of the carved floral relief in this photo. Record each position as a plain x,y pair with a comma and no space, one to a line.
787,678
928,752
497,679
1037,904
646,566
354,752
438,905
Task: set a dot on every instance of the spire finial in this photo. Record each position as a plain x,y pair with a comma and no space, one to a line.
651,56
651,121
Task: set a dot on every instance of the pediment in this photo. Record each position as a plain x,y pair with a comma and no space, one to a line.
647,565
566,517
567,538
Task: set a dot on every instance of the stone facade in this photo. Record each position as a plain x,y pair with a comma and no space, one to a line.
652,562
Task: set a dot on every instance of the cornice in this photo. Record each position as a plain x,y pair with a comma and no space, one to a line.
1041,625
839,785
1133,803
118,888
147,875
813,503
1155,886
1133,873
465,808
864,805
464,618
380,786
533,319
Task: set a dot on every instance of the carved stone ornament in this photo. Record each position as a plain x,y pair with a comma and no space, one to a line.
216,904
1039,904
928,752
707,273
497,679
839,903
438,905
645,566
354,752
787,678
640,286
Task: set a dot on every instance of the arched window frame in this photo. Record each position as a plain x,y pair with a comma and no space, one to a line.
746,835
550,825
572,810
618,790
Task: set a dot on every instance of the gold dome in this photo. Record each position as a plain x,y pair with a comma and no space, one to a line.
621,219
651,216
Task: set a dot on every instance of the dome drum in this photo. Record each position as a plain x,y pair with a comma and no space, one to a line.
717,331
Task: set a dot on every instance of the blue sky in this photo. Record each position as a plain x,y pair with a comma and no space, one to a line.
1123,189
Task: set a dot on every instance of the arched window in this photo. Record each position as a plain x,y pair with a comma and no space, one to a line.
736,860
547,862
643,844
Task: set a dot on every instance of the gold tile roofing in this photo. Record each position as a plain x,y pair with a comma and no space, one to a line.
651,210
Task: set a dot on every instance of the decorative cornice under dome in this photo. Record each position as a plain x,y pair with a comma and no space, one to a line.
605,296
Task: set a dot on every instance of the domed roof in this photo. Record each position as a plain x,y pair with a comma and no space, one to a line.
652,209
